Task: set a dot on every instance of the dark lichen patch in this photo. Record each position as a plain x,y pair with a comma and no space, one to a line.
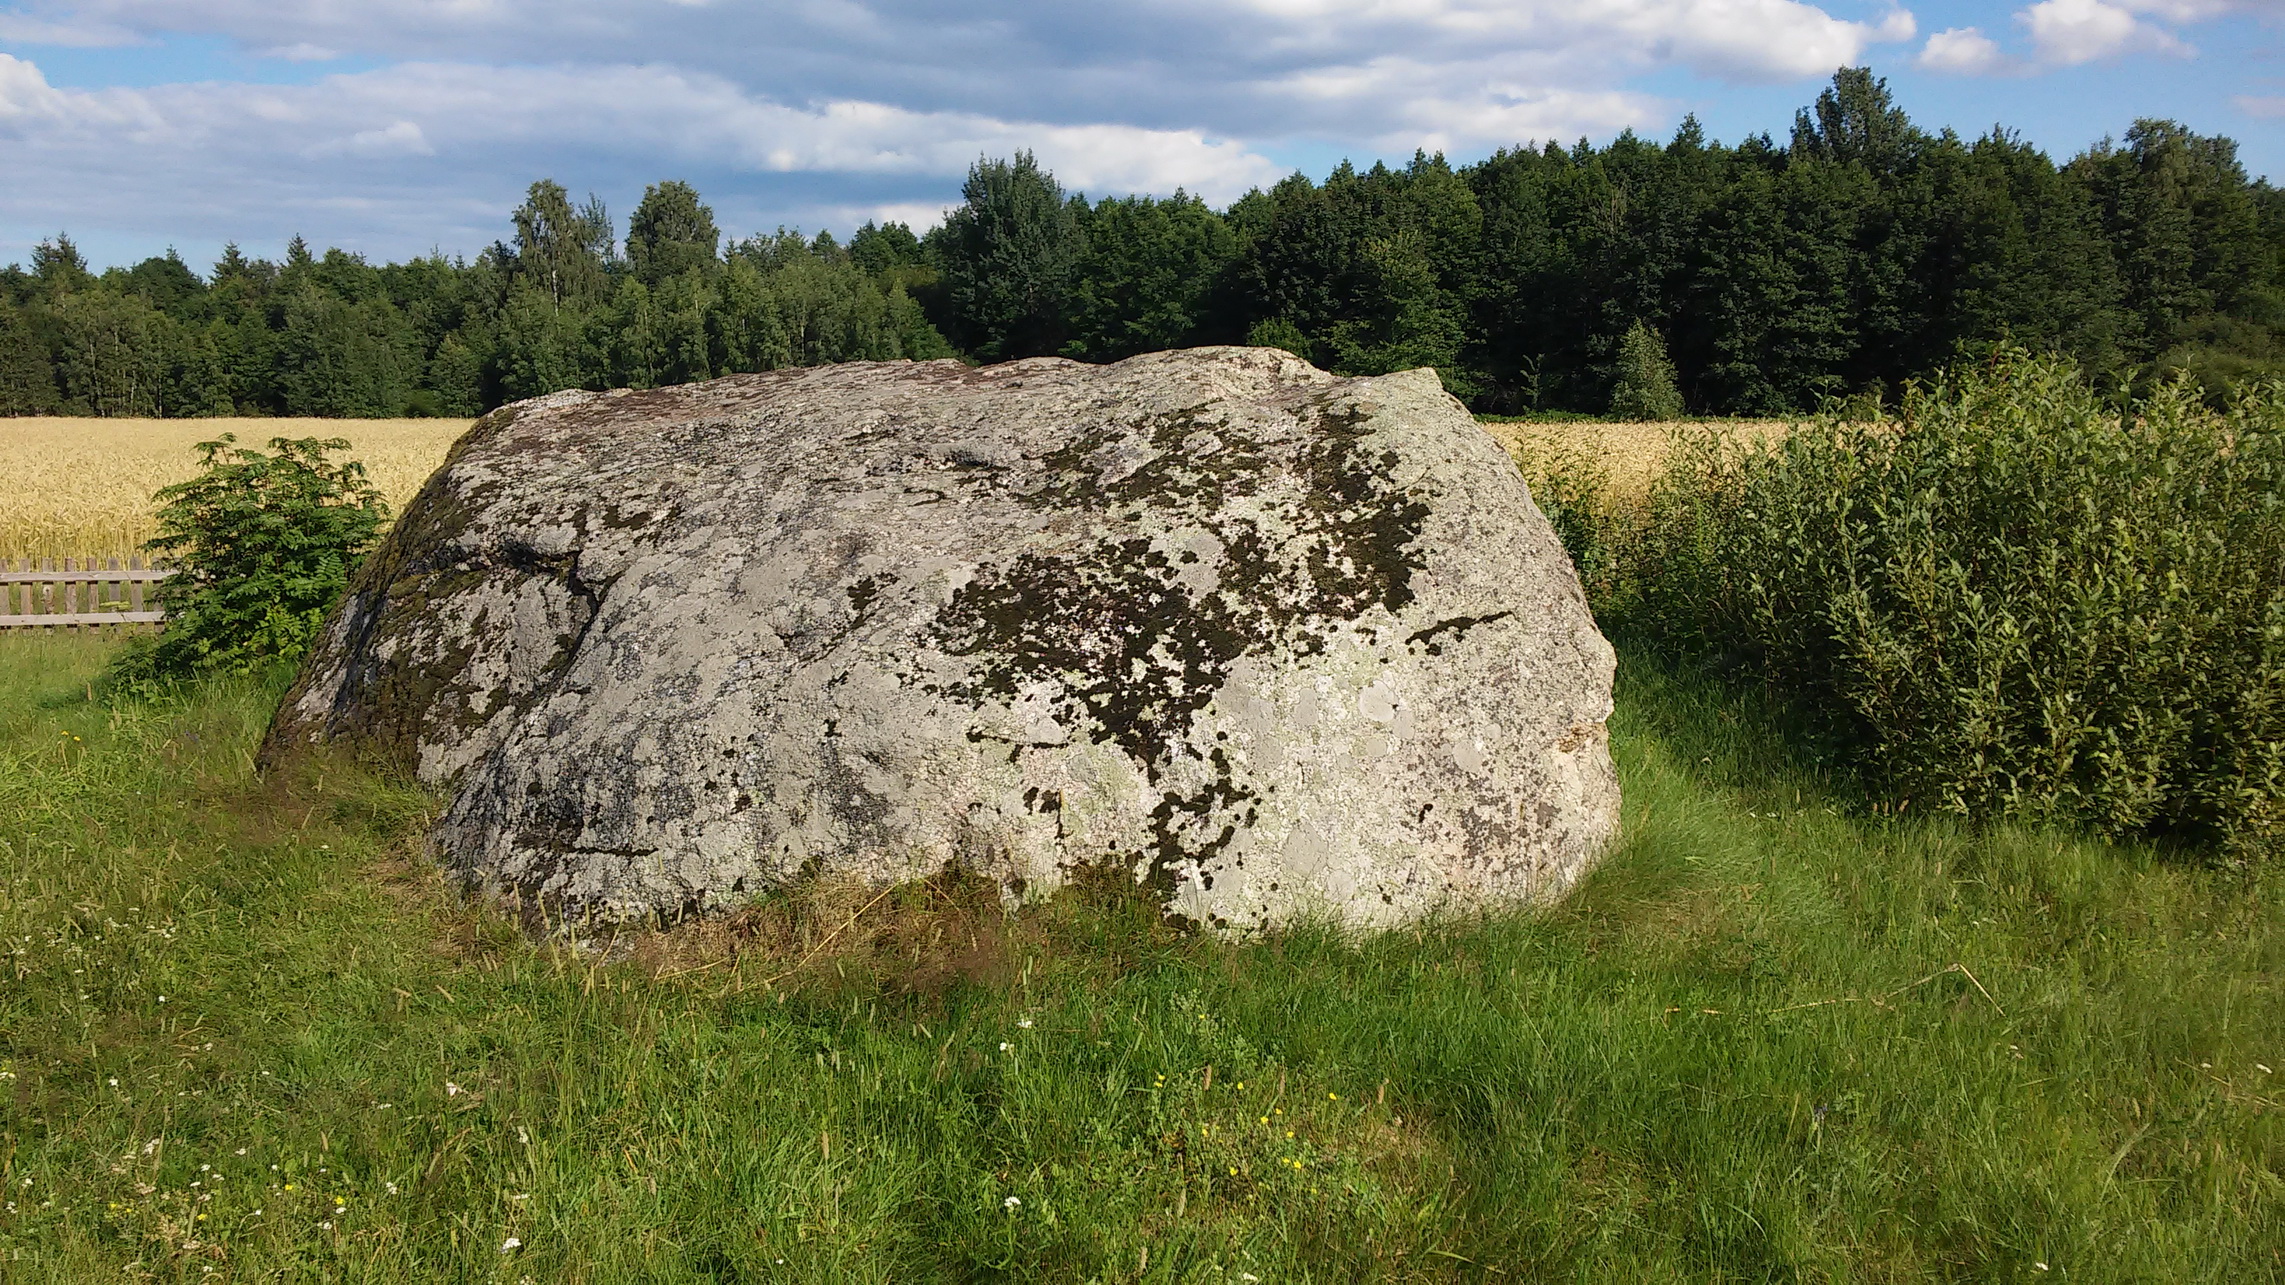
864,591
1133,651
1198,826
1162,472
1458,626
1114,629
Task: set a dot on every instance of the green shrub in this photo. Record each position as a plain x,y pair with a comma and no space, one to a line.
1642,386
262,545
2011,602
1280,332
1573,489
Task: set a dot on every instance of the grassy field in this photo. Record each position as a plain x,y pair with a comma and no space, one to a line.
244,1035
82,487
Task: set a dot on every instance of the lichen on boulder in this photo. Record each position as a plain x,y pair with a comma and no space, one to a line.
1276,644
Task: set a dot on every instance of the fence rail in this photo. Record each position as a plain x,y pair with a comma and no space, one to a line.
38,594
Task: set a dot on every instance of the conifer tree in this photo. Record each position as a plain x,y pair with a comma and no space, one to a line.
1643,383
1010,251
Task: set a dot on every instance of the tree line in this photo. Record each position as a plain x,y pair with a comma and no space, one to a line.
1858,253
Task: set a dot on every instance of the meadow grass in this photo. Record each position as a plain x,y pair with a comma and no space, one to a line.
247,1035
81,487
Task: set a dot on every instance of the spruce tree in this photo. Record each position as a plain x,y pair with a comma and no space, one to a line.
1010,252
1643,383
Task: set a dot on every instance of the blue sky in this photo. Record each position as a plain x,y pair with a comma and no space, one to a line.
392,127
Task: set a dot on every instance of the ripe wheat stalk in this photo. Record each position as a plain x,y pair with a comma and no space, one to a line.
81,488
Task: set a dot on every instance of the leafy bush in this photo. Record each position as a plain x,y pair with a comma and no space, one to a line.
1573,490
2014,601
262,544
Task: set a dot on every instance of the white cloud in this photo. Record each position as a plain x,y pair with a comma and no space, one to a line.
301,52
1746,39
75,33
1963,51
2069,32
2260,106
425,145
24,92
401,138
1424,105
2200,10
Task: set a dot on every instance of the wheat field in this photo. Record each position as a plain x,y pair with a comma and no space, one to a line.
1631,454
81,488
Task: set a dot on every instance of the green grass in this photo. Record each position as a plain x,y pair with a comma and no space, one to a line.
1767,1041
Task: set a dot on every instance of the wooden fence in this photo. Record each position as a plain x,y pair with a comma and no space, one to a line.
40,595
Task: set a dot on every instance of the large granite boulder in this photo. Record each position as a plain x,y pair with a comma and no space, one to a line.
1278,644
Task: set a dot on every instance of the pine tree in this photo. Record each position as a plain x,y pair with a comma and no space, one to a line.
1643,386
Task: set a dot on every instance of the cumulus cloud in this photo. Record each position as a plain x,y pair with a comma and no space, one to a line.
2069,32
1963,51
25,93
395,142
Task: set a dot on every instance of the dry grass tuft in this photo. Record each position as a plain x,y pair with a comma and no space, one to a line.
919,937
81,488
1632,455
